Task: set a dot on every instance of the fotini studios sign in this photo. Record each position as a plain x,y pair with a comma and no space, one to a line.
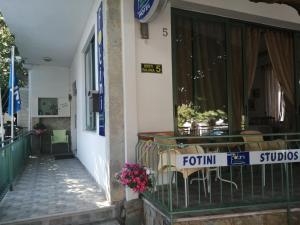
147,10
237,158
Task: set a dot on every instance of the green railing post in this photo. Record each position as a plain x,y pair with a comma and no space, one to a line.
170,182
10,167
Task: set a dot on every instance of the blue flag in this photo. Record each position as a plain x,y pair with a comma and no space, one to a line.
17,100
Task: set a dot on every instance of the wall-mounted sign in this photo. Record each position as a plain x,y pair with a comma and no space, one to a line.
201,160
146,10
101,70
151,68
237,158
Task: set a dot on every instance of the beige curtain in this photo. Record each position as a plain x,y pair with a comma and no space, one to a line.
237,78
280,48
253,36
281,52
273,94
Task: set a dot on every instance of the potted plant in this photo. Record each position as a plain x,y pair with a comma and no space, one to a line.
39,128
135,176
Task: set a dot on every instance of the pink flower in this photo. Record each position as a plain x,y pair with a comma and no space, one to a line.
134,176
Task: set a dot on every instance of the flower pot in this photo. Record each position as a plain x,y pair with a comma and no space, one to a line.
130,194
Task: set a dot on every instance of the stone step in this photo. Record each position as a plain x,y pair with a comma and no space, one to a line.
110,222
101,216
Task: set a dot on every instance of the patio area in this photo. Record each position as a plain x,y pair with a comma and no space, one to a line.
49,187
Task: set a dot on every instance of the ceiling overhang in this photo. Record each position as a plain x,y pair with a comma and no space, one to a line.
47,28
293,3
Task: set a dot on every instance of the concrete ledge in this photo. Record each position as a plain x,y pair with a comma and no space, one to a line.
231,215
74,218
251,216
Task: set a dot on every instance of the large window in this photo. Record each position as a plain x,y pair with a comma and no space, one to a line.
90,84
230,75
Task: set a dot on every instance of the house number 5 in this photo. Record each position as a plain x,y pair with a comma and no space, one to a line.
165,32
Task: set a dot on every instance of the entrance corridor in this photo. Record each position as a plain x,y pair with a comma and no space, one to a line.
50,187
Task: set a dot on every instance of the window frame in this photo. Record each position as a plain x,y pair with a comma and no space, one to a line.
90,83
228,24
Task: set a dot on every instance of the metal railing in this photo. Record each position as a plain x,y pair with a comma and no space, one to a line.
210,188
13,156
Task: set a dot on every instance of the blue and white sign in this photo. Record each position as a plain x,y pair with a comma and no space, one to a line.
237,158
275,156
187,161
146,10
201,160
100,44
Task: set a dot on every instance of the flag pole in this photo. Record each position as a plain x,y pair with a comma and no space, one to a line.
1,116
12,92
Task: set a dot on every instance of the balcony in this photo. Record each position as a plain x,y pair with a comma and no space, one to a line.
209,175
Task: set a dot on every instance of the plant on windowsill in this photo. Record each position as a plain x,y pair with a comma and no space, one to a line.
136,177
39,129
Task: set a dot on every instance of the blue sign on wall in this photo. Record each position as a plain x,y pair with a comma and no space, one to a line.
238,158
146,10
142,8
100,44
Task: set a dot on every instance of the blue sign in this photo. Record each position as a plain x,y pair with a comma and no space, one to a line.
238,158
100,44
16,99
145,10
142,8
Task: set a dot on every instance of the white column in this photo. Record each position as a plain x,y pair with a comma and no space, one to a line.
129,83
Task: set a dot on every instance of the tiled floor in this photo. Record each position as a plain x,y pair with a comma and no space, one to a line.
50,186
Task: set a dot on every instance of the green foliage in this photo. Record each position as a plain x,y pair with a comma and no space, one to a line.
211,116
7,40
185,113
189,113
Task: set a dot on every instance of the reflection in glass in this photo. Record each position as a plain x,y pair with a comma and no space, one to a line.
201,75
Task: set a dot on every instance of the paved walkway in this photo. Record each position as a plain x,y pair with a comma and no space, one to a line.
49,187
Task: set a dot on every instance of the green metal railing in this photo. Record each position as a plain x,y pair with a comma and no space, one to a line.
13,156
213,189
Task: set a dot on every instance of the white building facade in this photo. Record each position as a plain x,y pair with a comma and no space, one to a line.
135,101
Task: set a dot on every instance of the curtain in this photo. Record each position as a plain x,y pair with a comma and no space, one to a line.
210,86
280,48
184,60
253,37
274,102
237,77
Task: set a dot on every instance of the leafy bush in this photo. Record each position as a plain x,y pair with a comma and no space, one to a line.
189,113
185,113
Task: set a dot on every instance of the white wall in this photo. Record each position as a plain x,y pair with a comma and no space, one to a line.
92,149
154,91
47,82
